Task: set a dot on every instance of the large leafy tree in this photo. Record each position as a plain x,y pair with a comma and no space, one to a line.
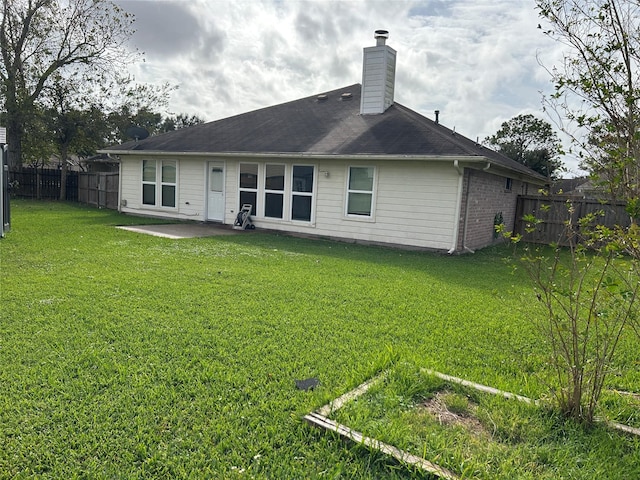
81,116
531,142
150,119
597,86
181,120
75,126
42,38
126,103
590,289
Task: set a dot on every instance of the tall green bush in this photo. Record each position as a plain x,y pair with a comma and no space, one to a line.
588,284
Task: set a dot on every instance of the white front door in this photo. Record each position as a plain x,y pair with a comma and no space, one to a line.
215,192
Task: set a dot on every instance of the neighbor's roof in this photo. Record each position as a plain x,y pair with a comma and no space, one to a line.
327,124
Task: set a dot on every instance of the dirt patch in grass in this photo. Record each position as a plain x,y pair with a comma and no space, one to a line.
440,407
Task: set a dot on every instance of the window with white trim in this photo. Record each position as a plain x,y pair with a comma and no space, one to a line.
168,185
360,191
274,190
249,185
149,182
161,173
302,192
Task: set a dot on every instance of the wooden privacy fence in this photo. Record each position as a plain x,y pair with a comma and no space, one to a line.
41,183
99,189
553,212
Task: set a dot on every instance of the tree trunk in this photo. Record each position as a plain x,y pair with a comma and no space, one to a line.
38,182
14,139
63,173
63,182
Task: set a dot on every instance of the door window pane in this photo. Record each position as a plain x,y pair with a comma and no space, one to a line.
216,179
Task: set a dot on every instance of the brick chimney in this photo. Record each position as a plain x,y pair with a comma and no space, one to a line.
378,76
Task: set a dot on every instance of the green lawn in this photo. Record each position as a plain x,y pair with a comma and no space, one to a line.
131,356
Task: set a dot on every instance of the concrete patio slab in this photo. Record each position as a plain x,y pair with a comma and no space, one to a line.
183,230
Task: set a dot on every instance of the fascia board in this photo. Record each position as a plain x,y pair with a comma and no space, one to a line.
317,156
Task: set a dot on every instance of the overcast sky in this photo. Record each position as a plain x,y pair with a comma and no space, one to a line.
474,60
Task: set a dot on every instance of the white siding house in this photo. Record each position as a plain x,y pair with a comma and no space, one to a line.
348,164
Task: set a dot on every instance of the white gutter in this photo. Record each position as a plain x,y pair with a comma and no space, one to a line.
119,186
456,230
318,156
466,215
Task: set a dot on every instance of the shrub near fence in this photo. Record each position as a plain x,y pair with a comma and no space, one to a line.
41,183
554,213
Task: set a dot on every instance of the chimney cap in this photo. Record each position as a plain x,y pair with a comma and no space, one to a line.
381,36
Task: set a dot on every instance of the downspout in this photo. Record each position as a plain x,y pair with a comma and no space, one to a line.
456,231
119,183
466,218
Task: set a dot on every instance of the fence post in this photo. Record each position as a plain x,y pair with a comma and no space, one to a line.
5,213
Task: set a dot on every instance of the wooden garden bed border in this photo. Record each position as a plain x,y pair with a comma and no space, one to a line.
483,388
319,418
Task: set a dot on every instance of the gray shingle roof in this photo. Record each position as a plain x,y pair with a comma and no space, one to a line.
331,126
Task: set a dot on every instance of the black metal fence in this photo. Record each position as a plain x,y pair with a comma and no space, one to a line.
41,183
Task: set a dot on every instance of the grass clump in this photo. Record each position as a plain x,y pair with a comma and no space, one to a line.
456,403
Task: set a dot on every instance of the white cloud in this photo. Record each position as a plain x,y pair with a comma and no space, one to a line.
474,60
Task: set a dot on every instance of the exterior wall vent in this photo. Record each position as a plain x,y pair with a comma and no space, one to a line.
378,76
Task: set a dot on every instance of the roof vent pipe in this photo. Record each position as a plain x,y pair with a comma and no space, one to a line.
381,37
437,112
